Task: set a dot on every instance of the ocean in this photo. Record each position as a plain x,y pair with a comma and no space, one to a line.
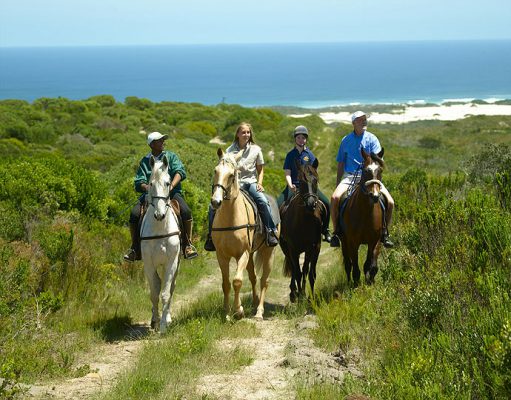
306,75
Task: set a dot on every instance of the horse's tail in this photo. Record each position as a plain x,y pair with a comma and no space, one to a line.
286,267
263,256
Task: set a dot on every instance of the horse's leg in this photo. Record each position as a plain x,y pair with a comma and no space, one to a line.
237,282
296,278
354,264
169,284
253,280
223,263
154,287
312,271
305,272
264,259
346,260
372,262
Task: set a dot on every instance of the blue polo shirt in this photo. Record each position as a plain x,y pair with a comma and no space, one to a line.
349,150
305,157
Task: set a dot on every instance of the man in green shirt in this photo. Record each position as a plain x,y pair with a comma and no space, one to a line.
156,142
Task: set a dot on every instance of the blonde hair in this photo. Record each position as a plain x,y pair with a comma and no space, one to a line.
244,125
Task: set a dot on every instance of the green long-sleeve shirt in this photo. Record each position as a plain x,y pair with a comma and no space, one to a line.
175,167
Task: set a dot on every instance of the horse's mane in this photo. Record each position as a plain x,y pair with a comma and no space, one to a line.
308,168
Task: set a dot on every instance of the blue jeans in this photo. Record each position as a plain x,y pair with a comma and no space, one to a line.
263,205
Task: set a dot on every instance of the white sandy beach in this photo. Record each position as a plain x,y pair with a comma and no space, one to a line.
414,113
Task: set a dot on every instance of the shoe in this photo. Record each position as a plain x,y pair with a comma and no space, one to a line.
326,236
131,256
334,241
271,239
385,240
208,244
190,252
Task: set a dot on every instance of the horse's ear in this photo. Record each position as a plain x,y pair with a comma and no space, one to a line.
152,161
165,162
220,153
380,154
315,163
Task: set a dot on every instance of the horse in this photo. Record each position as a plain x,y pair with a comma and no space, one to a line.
362,221
235,235
301,232
160,243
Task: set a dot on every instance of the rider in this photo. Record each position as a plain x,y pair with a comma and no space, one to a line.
305,156
251,172
156,142
349,161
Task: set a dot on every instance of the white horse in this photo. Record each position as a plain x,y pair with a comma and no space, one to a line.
160,244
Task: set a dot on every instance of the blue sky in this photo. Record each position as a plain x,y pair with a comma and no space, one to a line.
157,22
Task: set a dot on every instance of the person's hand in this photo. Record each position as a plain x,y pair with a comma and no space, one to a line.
293,188
259,187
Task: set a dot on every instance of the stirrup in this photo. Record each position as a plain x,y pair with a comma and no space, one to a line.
271,239
387,243
335,241
326,236
190,252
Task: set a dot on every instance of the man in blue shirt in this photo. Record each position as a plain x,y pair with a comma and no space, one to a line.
349,163
305,156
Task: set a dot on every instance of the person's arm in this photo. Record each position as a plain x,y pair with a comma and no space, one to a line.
141,178
340,171
260,176
289,181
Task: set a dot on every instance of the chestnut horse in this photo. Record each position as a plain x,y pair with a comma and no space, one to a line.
301,232
235,236
362,221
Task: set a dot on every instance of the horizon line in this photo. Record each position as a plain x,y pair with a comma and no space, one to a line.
252,43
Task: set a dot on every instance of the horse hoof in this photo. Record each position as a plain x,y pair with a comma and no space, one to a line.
259,317
155,324
239,314
293,297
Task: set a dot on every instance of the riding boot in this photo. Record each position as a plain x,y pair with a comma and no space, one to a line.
335,240
208,244
385,239
133,253
189,250
271,238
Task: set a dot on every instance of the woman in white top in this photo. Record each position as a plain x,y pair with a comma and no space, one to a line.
251,169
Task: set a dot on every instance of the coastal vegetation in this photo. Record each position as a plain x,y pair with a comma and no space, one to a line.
437,323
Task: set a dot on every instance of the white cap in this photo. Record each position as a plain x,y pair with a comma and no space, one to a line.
155,136
357,114
301,130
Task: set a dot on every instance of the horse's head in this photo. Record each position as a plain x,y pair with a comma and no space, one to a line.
158,195
225,180
308,189
371,174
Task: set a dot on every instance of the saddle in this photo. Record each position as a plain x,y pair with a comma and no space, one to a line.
260,228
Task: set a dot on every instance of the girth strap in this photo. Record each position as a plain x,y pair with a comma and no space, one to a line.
160,236
234,228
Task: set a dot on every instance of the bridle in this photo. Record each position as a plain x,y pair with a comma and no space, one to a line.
225,189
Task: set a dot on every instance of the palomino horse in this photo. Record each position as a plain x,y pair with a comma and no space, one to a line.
160,244
235,236
301,232
362,220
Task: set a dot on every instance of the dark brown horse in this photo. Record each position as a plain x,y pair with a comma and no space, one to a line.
301,232
362,220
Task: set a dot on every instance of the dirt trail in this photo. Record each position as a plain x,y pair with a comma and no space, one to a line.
282,351
110,359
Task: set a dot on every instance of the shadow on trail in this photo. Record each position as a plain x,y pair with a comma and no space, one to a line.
120,328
